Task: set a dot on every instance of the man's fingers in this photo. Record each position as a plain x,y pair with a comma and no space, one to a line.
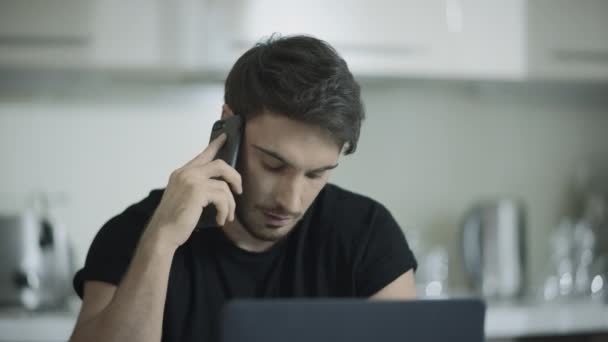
231,201
210,151
219,177
221,196
218,198
220,169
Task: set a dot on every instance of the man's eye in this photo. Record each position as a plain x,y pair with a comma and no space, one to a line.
314,175
274,168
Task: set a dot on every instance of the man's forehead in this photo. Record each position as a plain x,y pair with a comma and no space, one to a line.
302,146
301,163
279,129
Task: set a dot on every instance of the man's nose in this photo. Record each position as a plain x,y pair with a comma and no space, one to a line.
289,194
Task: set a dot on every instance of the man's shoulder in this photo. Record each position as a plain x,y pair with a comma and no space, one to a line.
340,205
339,197
147,205
115,243
348,221
136,215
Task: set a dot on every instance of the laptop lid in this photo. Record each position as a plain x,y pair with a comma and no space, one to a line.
353,320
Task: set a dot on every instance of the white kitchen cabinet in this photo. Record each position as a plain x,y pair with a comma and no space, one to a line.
393,38
568,39
148,34
491,42
462,39
471,39
156,35
37,33
401,34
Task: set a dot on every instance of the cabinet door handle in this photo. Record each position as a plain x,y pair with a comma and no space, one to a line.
41,41
580,56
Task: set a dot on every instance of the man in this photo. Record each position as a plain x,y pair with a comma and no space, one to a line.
283,231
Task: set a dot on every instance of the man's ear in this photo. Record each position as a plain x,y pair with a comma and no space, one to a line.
226,112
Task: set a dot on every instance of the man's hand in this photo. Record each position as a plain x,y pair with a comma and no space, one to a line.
191,188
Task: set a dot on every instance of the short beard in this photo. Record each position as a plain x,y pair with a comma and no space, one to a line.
241,218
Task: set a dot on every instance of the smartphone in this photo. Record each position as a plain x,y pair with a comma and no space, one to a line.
229,152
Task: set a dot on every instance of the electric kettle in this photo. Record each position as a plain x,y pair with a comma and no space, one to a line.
36,261
493,242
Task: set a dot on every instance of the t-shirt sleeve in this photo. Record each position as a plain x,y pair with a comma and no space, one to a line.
383,253
111,251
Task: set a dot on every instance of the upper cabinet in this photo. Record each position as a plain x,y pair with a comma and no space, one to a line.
473,39
470,39
149,34
103,34
393,38
44,33
568,39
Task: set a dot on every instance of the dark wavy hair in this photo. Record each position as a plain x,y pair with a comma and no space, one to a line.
303,78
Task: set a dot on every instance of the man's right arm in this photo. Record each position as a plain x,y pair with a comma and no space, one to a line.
133,310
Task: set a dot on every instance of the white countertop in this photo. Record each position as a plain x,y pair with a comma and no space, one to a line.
519,320
36,327
502,321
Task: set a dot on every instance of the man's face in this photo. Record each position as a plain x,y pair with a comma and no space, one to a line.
284,165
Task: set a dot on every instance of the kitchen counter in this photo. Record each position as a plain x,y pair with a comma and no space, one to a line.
48,326
503,321
551,319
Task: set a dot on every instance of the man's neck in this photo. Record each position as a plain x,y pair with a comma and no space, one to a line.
243,239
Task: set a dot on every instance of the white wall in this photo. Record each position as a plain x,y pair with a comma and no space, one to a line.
104,152
428,150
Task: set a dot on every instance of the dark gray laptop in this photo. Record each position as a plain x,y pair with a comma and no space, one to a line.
322,320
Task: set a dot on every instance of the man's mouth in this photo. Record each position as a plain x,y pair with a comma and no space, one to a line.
274,220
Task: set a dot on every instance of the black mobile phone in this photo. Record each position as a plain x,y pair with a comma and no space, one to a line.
229,152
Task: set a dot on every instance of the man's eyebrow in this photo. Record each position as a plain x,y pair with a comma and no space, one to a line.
285,161
272,154
325,168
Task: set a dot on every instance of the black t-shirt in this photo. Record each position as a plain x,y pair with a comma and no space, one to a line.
346,245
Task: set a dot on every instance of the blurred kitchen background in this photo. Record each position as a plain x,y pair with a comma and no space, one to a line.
487,127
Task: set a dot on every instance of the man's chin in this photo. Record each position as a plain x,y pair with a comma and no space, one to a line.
268,234
264,231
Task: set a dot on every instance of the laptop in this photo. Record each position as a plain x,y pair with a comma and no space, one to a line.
353,320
